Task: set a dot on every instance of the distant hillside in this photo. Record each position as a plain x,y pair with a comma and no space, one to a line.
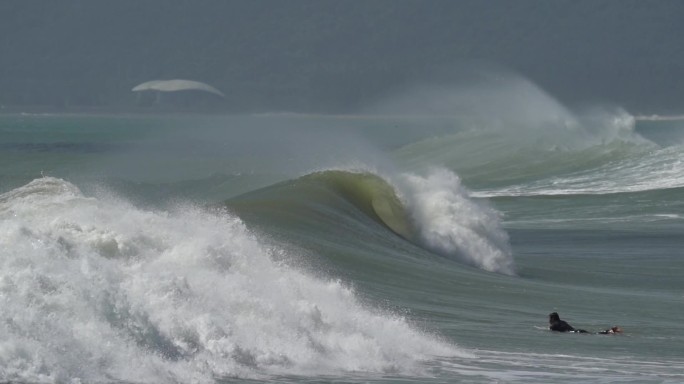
333,56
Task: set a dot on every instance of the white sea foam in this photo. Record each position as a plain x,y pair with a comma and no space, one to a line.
97,290
648,170
453,224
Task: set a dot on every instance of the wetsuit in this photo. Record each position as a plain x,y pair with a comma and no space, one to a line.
558,325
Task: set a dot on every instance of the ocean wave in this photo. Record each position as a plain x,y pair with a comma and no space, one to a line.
634,169
602,154
434,212
451,223
174,296
484,153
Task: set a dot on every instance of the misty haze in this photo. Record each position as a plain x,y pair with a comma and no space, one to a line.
331,57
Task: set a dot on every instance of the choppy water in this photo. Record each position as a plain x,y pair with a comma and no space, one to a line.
340,248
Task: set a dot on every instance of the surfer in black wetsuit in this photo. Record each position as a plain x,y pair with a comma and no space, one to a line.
558,325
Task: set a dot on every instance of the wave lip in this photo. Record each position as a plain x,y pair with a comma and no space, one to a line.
451,223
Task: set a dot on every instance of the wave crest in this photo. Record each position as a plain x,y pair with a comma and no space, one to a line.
435,212
452,223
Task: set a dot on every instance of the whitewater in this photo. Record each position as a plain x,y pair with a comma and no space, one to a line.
421,246
98,288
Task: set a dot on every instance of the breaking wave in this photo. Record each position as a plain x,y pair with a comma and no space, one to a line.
179,296
434,211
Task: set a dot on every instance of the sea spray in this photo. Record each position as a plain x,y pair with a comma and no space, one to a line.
453,224
98,290
605,125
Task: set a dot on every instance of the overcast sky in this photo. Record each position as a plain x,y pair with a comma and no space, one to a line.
331,56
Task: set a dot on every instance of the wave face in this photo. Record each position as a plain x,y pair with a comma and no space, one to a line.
370,193
180,296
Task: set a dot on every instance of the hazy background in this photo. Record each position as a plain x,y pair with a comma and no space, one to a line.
337,56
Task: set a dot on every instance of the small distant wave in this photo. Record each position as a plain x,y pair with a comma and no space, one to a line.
641,169
175,296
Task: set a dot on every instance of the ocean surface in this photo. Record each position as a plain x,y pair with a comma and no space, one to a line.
411,248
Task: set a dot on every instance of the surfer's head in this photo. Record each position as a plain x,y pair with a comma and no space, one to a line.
553,317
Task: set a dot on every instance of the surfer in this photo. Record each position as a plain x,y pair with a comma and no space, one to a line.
558,325
611,331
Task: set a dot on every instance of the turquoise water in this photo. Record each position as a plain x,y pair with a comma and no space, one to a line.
298,248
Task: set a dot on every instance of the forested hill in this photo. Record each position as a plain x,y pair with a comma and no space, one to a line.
332,56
